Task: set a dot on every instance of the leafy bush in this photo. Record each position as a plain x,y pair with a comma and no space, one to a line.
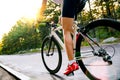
23,37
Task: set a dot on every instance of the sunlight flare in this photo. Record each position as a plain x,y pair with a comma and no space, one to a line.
13,10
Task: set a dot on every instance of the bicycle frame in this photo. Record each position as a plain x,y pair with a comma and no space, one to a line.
85,36
53,33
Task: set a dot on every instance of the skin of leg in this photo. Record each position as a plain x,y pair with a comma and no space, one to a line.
67,24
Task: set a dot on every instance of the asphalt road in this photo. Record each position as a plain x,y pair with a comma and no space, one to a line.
31,65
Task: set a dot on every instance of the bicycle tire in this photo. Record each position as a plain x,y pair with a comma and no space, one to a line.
53,57
97,23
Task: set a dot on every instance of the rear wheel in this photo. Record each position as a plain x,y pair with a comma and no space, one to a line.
51,55
93,62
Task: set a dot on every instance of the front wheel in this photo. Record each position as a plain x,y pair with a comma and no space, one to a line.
51,55
106,32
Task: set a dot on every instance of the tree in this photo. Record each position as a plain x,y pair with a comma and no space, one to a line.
21,37
107,7
52,12
40,15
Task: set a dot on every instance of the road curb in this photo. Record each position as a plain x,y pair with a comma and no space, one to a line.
16,74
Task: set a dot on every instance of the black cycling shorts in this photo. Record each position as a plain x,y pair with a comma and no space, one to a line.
69,8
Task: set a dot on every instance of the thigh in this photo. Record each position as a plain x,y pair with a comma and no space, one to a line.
67,24
69,8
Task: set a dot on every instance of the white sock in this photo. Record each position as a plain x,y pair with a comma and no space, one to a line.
71,61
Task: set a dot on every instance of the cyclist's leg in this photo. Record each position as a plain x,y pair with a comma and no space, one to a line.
67,30
68,12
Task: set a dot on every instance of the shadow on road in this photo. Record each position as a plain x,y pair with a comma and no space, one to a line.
56,77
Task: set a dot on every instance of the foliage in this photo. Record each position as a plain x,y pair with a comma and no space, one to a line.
0,47
21,37
52,12
118,12
44,29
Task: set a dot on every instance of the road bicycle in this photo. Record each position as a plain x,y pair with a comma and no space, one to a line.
98,53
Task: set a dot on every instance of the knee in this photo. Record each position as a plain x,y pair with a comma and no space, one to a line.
67,29
67,24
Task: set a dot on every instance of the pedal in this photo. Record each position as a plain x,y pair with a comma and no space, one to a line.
107,58
109,62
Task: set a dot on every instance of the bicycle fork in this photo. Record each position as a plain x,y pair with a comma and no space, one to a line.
50,45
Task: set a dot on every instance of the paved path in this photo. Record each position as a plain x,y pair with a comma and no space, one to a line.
31,65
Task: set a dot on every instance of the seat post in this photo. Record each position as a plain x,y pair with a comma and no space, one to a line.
75,17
